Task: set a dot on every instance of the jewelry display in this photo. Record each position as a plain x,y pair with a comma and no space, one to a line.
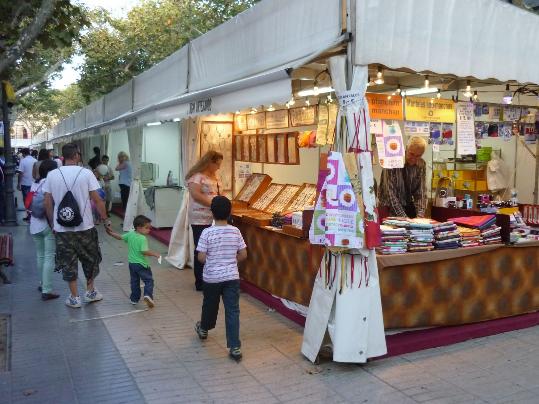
268,196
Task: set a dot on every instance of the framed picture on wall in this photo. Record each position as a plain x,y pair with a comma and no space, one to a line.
282,148
218,136
237,148
256,121
245,148
262,146
240,122
271,150
277,119
293,148
304,116
253,149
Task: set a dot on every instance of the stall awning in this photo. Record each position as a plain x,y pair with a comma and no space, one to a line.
485,39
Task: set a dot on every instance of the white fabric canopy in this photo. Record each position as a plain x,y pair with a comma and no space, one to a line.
166,80
480,38
94,113
119,101
261,38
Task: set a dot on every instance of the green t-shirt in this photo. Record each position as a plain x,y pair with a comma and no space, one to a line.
136,244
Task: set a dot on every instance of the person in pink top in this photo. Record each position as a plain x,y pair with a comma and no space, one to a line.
203,186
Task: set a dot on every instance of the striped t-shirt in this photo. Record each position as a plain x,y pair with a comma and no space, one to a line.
221,245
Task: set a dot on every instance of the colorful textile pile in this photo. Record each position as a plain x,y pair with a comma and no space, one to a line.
421,235
394,240
470,237
490,233
476,222
446,236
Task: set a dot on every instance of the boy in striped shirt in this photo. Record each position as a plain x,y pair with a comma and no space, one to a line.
220,248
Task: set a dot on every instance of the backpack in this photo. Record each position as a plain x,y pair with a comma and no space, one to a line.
36,205
68,213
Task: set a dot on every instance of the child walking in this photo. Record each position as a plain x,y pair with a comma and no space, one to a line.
220,248
137,247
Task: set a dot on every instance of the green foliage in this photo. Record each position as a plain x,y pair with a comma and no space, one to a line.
51,45
116,50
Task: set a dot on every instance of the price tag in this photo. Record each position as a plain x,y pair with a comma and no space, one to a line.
435,147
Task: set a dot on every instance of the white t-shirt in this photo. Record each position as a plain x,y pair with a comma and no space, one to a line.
37,225
221,245
25,167
80,188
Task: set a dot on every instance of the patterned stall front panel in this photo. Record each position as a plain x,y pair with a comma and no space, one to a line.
280,264
486,286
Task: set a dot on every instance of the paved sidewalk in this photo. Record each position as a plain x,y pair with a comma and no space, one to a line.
62,355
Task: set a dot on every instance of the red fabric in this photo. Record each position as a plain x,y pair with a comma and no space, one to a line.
473,221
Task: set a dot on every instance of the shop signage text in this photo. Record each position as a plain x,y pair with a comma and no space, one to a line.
429,110
197,107
380,107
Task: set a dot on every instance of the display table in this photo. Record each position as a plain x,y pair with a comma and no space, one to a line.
418,290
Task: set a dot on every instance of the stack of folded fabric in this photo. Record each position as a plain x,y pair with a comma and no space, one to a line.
470,237
394,240
397,222
491,235
421,235
446,236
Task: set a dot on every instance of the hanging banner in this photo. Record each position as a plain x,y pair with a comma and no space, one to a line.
416,128
429,110
393,146
465,128
380,107
323,124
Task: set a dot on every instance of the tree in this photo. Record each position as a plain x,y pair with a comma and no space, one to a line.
116,50
36,37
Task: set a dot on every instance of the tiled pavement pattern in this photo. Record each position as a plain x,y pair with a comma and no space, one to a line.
154,356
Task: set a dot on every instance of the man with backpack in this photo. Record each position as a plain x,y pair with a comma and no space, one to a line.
69,191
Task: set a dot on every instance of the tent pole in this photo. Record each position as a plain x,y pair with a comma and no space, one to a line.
536,189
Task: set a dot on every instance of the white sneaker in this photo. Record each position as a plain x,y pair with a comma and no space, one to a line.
149,301
73,302
93,296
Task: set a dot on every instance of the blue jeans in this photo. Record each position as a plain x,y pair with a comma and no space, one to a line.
45,251
230,290
137,273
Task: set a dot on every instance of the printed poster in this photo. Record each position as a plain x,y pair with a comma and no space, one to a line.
416,128
429,110
390,145
465,129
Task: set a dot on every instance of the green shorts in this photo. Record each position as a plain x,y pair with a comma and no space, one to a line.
75,246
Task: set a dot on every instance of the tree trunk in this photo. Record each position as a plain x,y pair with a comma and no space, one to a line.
28,36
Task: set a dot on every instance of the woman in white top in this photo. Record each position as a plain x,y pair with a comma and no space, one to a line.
125,177
43,236
203,187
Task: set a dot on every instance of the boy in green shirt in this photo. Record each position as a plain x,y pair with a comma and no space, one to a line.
137,247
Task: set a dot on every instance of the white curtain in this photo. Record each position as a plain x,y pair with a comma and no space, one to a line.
136,203
352,315
180,249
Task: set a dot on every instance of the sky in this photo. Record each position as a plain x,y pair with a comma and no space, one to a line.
118,8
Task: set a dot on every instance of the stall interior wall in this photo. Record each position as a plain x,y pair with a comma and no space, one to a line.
118,142
161,146
514,154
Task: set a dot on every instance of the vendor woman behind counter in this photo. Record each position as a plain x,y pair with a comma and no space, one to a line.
402,191
203,187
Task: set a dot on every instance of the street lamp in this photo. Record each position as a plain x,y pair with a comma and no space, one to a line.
9,168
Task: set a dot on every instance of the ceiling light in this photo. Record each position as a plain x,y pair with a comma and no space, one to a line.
399,89
439,95
153,124
271,108
308,103
427,82
321,90
475,96
316,91
379,77
238,112
418,91
388,97
330,98
178,119
468,92
508,95
292,101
